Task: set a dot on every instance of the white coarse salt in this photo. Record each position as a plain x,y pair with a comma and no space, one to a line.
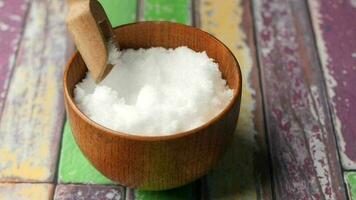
156,91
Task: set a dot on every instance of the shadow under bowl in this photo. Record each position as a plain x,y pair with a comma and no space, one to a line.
157,162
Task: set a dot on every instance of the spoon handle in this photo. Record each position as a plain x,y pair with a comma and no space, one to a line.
91,30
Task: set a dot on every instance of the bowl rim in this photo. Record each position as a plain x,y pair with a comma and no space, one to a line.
119,134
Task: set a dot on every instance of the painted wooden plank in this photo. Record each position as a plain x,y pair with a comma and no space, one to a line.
73,166
120,11
335,29
166,10
88,192
350,180
12,17
25,191
32,120
301,138
244,171
176,11
185,192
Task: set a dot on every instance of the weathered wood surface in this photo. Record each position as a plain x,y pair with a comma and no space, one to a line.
32,119
12,17
304,157
73,166
89,192
244,171
350,180
25,191
335,29
303,148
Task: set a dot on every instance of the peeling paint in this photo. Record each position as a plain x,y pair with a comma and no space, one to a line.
330,75
64,192
234,177
303,152
25,191
10,33
32,118
317,145
353,3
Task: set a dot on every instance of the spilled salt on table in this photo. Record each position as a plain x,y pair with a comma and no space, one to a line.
155,91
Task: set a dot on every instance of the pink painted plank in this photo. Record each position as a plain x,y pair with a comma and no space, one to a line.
89,192
32,119
12,16
335,27
303,149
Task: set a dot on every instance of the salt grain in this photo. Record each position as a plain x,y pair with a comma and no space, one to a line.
155,91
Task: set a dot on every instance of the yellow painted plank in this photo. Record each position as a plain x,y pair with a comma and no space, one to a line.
25,191
243,172
32,119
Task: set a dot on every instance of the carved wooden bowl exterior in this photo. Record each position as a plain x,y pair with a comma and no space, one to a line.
157,162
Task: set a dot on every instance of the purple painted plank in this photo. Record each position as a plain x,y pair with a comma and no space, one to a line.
12,16
303,149
335,27
89,192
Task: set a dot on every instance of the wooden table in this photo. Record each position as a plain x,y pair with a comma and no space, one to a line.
296,134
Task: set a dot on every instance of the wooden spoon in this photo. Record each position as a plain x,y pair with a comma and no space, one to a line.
91,31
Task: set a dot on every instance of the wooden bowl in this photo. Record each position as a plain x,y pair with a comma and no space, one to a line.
157,162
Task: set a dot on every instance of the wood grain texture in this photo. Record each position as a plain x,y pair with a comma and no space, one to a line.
157,162
335,29
91,30
32,120
25,191
73,166
89,192
12,17
244,171
301,138
350,180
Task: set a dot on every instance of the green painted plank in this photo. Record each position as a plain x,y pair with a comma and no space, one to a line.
74,167
168,10
120,11
185,192
175,11
350,179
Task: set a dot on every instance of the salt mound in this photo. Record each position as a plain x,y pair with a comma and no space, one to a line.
155,91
